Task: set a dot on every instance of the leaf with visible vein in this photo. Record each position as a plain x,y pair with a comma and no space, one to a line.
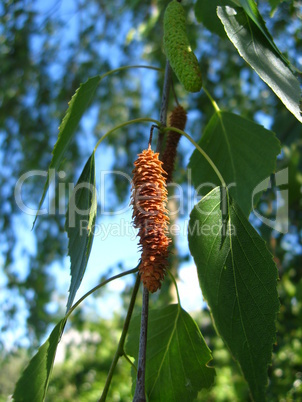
177,355
252,11
238,278
33,383
80,220
255,48
244,152
77,106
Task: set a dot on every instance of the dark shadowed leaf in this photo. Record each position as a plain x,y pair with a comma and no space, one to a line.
205,12
238,279
80,220
256,49
77,106
177,355
32,385
244,153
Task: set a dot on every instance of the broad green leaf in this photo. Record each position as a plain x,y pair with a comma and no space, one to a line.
244,153
252,11
253,45
33,383
80,220
205,12
177,355
238,279
77,106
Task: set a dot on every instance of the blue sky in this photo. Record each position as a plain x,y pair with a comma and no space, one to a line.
110,251
106,252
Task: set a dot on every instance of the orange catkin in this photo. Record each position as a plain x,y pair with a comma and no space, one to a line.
149,199
177,119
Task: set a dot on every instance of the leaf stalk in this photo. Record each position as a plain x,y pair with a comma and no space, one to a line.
203,153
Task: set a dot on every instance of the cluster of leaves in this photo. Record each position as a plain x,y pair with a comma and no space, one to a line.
236,271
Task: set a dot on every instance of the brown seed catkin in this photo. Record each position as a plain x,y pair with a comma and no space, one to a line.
149,199
177,119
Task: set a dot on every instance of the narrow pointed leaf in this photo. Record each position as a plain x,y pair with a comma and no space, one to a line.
244,153
77,106
177,355
33,383
256,49
274,4
238,278
80,220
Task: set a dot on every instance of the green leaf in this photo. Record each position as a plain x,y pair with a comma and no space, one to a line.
177,355
252,11
274,4
77,106
80,220
244,153
205,12
33,383
238,279
256,49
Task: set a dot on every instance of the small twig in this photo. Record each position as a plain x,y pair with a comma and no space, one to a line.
151,134
120,349
139,395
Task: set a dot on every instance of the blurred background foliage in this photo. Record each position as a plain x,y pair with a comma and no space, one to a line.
46,51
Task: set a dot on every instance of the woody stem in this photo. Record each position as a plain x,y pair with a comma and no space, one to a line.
164,106
139,395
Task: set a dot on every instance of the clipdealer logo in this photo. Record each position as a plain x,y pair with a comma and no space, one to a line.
280,205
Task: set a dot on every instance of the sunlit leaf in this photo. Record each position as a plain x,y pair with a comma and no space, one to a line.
252,11
77,106
80,219
33,383
244,153
177,355
256,49
238,279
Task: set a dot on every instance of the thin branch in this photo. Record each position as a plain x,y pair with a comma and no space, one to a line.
164,105
120,349
151,134
139,120
139,395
